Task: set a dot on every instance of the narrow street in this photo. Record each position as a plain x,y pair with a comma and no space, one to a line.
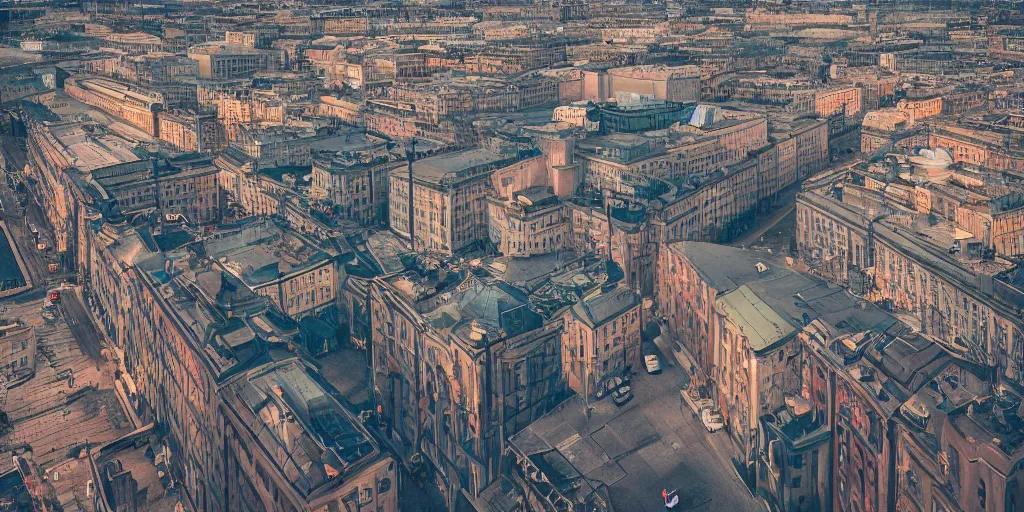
786,205
80,323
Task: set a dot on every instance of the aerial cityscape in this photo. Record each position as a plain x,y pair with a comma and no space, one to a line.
512,256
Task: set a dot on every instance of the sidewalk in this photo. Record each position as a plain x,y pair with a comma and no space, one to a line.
719,441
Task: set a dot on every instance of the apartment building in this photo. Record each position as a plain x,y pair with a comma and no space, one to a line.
185,188
222,60
296,275
247,192
625,162
220,361
509,60
835,235
977,146
486,345
190,132
846,100
284,146
291,445
962,301
56,152
190,188
152,68
611,53
877,85
135,43
449,193
247,39
354,182
138,107
680,84
920,108
344,111
601,339
738,136
532,221
741,322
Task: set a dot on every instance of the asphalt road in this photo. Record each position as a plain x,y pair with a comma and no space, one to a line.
685,458
648,445
786,204
80,323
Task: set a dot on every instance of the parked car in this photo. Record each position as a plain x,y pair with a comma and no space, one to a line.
652,364
712,419
622,395
695,403
609,386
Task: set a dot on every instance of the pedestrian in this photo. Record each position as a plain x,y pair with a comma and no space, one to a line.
671,499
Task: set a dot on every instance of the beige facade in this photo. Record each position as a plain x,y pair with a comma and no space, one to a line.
356,188
601,339
191,132
290,270
247,39
137,107
847,100
425,365
834,237
449,192
223,60
671,83
533,222
921,108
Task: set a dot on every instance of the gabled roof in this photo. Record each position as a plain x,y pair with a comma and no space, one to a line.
598,310
761,324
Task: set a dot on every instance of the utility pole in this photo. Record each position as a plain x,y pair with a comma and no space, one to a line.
410,156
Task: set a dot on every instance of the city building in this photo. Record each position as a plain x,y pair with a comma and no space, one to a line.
354,182
448,194
486,345
136,106
296,275
601,339
533,221
223,60
18,362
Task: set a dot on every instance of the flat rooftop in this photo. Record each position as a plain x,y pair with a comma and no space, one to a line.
451,165
261,252
88,150
320,439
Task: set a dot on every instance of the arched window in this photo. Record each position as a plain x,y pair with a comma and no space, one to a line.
982,494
